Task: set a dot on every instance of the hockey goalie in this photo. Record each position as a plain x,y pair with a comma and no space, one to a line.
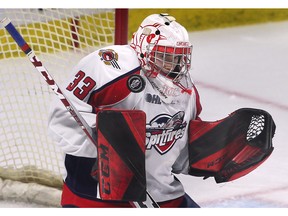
144,109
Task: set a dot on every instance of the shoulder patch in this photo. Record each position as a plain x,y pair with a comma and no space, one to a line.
109,57
136,83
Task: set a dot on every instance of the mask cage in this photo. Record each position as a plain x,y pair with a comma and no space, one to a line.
171,62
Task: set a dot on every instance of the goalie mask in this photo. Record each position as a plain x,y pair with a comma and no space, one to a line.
164,51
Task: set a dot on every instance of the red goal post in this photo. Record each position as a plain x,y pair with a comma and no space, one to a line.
31,165
121,26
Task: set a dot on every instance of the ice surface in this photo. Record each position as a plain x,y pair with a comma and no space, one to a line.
244,67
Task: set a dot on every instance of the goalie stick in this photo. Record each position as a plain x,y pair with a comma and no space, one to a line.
7,24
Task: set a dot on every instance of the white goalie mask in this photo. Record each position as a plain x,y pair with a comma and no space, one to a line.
164,51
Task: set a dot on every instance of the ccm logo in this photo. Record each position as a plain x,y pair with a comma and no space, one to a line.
182,43
216,161
104,169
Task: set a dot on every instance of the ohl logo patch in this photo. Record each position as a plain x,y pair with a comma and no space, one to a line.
109,57
164,130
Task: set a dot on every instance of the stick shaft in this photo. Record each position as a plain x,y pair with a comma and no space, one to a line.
47,77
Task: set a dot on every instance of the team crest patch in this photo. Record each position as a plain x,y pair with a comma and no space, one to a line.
109,57
136,83
164,130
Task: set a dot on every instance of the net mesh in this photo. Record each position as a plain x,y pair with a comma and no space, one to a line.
59,38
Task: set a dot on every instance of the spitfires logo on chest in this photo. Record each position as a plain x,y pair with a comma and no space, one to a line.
109,57
164,130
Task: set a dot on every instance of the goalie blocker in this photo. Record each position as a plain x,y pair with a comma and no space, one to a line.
121,155
232,147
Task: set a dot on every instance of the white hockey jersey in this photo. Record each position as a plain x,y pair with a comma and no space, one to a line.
99,81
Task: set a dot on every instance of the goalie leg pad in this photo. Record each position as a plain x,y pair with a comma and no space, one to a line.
121,155
231,147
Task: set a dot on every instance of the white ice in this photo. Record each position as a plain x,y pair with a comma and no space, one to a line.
235,68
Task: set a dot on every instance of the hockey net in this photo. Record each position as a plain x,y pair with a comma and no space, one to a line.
31,165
